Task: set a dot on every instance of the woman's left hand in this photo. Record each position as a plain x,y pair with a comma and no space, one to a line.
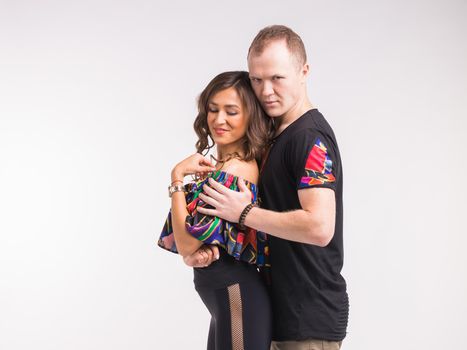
203,257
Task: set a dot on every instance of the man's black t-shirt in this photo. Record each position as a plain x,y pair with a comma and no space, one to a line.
309,297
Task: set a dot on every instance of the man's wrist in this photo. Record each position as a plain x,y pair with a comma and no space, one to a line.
249,218
243,215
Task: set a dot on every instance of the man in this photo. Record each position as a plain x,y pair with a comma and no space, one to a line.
301,200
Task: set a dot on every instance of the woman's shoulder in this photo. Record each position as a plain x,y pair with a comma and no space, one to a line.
248,170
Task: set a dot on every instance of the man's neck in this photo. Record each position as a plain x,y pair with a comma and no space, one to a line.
292,115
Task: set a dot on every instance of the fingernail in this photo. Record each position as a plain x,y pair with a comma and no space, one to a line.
217,256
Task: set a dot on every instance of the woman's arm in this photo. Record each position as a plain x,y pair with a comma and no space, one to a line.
185,242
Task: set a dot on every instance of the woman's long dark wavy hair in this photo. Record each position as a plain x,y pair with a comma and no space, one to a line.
260,127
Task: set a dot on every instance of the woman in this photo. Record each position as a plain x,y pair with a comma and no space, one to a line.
231,287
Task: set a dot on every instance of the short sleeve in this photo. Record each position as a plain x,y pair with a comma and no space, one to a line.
166,239
312,160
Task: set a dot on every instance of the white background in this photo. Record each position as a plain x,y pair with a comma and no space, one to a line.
97,100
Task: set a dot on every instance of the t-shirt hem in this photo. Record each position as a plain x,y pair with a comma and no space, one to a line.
332,187
310,334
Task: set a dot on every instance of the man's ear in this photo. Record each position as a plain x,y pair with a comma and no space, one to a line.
305,71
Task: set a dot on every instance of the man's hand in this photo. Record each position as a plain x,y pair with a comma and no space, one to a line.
203,257
228,204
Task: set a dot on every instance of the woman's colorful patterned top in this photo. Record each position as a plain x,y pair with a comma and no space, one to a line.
249,245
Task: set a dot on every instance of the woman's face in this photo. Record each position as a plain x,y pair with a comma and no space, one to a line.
227,119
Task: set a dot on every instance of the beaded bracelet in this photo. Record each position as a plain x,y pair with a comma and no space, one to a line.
245,211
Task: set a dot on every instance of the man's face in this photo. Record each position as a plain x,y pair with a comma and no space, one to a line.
277,79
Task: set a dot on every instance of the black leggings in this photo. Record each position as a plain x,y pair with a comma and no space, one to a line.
241,316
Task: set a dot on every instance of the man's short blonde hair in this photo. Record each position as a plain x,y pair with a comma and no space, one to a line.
277,33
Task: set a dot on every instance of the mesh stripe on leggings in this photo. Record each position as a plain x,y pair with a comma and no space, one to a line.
236,316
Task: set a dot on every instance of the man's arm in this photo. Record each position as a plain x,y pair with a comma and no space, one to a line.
313,224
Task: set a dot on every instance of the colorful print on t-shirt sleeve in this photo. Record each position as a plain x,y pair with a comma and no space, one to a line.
318,168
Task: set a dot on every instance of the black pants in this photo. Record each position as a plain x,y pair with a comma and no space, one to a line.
241,316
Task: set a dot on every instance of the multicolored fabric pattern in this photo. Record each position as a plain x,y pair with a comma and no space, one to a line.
249,245
318,167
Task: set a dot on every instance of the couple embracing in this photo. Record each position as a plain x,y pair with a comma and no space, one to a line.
261,223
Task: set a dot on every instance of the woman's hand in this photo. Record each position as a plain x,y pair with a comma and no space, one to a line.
195,164
203,257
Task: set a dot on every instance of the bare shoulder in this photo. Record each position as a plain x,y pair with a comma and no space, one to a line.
246,170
